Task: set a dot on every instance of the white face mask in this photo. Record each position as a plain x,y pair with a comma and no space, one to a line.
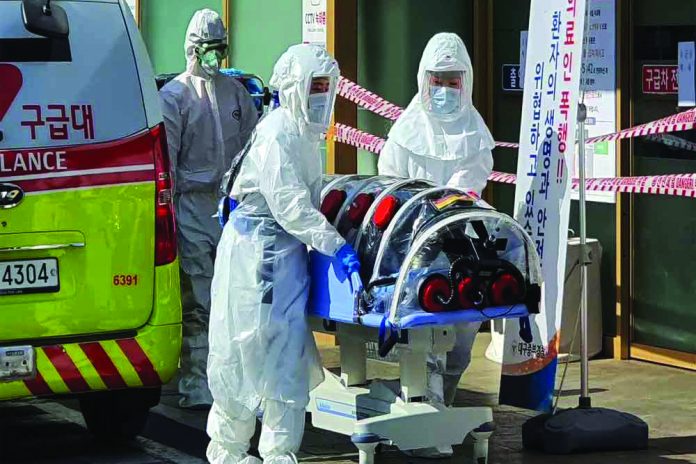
319,110
445,100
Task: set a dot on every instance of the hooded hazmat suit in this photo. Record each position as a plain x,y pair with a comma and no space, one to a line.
208,119
262,353
451,149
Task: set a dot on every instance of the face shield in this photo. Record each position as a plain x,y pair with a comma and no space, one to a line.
320,103
443,92
210,56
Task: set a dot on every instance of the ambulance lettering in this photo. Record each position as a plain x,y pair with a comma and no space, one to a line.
32,161
64,121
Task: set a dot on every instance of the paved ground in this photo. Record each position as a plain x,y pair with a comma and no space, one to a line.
51,432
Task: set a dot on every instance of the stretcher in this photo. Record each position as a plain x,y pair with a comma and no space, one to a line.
432,257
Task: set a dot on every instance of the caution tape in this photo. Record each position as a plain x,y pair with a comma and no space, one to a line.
368,100
679,185
672,141
685,120
378,105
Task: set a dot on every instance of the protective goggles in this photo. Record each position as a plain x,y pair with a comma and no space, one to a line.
219,48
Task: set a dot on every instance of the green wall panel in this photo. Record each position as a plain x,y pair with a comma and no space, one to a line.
260,31
163,25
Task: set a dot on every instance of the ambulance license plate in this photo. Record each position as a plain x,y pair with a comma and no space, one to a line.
16,363
29,276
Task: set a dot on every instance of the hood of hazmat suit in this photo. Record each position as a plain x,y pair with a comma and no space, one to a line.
208,119
451,146
262,353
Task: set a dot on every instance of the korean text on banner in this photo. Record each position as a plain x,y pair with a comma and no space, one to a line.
314,22
543,193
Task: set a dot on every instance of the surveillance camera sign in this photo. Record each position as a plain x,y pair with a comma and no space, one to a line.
314,22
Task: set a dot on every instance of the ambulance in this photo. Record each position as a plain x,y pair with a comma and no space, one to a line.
89,284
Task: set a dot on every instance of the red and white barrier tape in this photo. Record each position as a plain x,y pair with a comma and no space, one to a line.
680,185
378,105
685,120
370,101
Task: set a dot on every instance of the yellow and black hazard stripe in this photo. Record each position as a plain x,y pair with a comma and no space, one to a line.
105,365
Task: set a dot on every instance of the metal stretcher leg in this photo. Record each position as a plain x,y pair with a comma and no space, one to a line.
392,412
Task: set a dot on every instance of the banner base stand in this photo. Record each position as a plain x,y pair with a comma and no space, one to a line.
585,430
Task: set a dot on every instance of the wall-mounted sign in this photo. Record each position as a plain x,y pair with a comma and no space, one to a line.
314,20
512,78
598,81
686,76
523,53
660,79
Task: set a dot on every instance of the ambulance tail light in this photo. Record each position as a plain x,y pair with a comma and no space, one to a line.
165,226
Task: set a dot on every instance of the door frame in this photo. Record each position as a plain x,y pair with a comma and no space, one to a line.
624,347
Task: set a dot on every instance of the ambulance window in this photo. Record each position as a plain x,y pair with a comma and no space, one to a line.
31,50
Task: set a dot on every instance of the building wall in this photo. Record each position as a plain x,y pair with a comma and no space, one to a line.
260,31
163,25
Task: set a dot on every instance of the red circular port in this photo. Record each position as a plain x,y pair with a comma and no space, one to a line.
385,212
332,204
434,291
506,290
358,209
467,291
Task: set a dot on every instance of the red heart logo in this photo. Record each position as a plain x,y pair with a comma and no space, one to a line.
10,83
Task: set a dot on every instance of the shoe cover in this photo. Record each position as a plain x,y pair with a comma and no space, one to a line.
283,459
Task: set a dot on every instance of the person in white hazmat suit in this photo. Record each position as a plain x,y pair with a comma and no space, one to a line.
262,353
208,118
441,137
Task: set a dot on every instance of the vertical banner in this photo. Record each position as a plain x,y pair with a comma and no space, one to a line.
543,194
598,80
523,53
314,22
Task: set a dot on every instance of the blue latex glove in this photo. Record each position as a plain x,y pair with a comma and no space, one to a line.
348,259
225,207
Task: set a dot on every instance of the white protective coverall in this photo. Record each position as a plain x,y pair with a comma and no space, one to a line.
208,120
452,149
262,353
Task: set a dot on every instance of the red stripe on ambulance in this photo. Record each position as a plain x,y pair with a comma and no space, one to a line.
142,364
38,386
131,154
103,364
66,368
